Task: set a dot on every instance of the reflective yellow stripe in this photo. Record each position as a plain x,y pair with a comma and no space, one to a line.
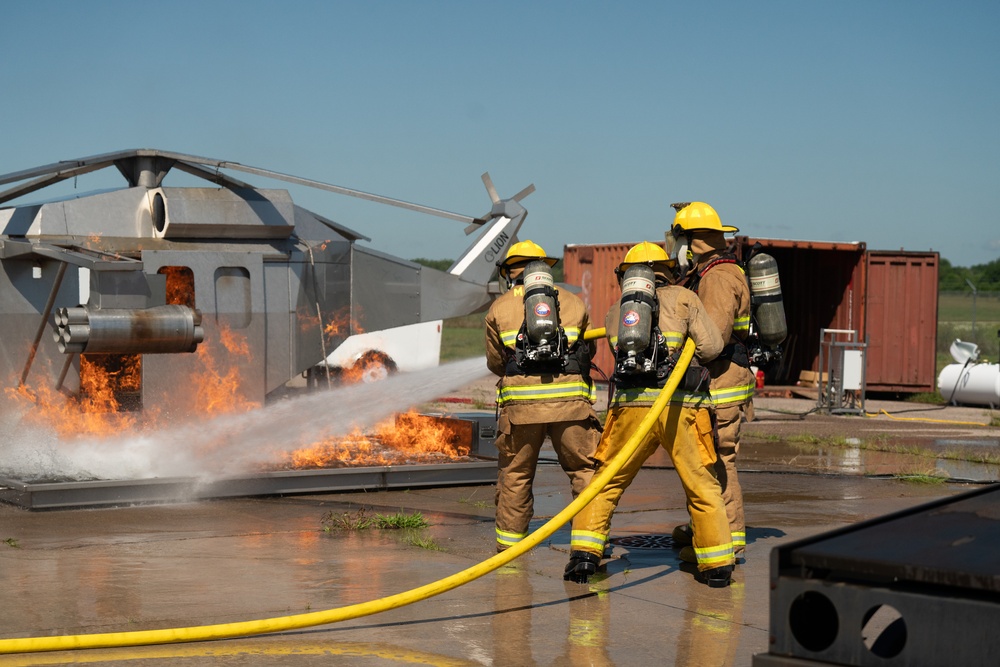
572,333
739,540
741,323
509,337
509,539
587,540
547,392
718,555
673,337
727,395
624,397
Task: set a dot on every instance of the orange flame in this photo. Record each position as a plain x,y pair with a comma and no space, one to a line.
180,285
344,322
110,395
95,412
218,388
409,438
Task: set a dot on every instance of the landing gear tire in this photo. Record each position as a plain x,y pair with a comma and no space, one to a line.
373,365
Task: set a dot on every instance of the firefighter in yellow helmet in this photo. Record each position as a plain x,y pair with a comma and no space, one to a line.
534,342
647,329
697,238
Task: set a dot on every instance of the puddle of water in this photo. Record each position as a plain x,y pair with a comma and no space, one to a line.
822,458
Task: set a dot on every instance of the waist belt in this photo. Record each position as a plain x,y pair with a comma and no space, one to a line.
737,353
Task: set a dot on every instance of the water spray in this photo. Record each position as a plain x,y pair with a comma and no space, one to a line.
297,621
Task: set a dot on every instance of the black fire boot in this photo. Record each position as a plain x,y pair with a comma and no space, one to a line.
682,536
581,565
717,577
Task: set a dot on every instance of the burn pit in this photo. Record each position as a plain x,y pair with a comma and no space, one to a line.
408,439
405,451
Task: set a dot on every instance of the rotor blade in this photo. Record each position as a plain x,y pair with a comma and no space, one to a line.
488,182
346,191
524,193
475,226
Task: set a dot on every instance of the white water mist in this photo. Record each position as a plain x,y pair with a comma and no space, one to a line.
232,444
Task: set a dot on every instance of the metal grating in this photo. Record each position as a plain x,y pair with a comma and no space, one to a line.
644,542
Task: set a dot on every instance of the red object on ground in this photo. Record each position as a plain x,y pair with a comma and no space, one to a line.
760,379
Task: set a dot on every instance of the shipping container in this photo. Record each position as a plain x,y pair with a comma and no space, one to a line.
902,298
888,297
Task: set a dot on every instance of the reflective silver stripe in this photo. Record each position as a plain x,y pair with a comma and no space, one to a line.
509,337
586,538
508,539
737,394
646,395
572,333
674,337
537,392
717,554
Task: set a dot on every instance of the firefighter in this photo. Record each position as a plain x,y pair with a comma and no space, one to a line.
670,315
698,242
544,388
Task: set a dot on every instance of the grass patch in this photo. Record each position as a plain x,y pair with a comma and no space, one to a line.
12,543
933,398
809,439
463,337
957,307
920,478
884,443
363,520
422,542
479,504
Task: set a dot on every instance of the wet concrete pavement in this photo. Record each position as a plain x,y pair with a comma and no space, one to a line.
70,572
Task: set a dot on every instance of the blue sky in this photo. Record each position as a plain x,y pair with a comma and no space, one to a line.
815,120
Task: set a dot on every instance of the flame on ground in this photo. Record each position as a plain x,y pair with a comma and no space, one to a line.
109,403
409,438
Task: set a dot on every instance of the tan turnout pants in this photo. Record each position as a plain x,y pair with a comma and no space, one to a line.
518,446
686,434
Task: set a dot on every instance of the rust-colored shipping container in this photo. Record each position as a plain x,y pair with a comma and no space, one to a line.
890,297
901,322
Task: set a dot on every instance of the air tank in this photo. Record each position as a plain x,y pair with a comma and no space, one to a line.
765,290
971,384
636,321
541,312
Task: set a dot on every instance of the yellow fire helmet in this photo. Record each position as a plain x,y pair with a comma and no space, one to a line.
645,253
698,217
521,252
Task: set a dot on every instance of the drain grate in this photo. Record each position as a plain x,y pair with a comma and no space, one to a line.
644,541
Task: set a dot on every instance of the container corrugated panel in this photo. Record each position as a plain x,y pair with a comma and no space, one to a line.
902,321
592,269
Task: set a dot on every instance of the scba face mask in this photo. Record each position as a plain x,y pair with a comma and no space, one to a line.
678,247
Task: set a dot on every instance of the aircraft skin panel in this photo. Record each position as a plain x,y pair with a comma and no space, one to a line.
290,284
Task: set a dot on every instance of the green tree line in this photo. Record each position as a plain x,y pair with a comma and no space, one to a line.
986,277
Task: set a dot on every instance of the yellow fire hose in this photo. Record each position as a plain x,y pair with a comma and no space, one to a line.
297,621
923,419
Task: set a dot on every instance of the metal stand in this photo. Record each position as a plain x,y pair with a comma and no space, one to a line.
841,372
